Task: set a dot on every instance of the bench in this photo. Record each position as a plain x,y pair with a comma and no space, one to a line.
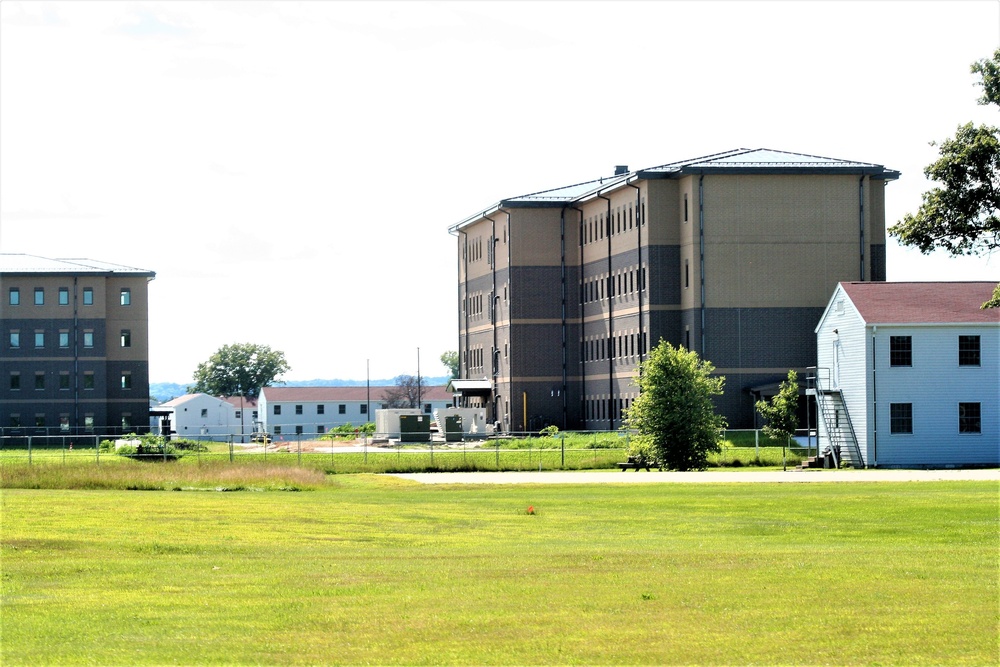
634,463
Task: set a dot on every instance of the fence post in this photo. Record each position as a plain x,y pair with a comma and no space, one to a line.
230,448
562,448
756,443
498,454
97,448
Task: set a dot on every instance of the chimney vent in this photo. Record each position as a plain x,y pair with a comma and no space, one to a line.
621,170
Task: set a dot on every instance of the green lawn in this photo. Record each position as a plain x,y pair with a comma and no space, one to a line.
357,569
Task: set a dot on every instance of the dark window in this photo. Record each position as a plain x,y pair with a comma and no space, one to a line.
39,380
15,421
88,380
321,429
427,408
15,339
88,296
39,296
364,409
969,420
63,296
298,430
900,351
341,409
64,381
298,409
15,381
15,296
126,338
40,421
277,430
968,351
320,409
126,380
204,413
900,418
277,409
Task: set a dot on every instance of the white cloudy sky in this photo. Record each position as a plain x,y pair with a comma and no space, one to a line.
290,170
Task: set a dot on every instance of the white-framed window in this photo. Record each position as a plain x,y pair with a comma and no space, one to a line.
900,418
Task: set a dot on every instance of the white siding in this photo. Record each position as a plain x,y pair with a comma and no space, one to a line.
935,384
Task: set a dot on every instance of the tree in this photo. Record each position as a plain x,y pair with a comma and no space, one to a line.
405,393
961,216
781,411
450,361
675,410
241,369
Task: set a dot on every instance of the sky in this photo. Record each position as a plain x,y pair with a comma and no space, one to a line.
290,170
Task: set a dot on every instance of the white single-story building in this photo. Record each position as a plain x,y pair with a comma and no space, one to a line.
290,411
908,374
200,417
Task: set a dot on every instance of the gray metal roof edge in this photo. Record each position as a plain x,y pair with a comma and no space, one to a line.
72,266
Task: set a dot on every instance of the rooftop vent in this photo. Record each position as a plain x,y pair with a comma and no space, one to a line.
621,170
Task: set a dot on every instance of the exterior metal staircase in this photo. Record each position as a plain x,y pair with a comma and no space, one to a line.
840,431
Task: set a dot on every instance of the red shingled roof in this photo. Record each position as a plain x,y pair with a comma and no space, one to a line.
922,303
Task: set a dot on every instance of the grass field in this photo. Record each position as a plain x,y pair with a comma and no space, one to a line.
353,569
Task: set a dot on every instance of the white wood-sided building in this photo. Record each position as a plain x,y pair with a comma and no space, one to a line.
908,375
299,411
201,417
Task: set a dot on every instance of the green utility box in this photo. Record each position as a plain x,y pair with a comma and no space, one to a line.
414,428
453,428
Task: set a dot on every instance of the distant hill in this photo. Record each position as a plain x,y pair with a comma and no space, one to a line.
164,391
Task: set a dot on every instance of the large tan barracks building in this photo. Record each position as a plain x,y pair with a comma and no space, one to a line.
562,293
75,353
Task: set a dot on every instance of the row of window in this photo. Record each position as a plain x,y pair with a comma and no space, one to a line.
64,338
65,380
320,409
39,420
597,409
621,220
14,296
628,281
622,346
901,418
901,351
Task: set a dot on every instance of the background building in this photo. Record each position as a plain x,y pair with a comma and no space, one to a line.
290,411
562,293
75,353
909,374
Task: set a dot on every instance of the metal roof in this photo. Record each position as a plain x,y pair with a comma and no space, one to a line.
740,160
29,264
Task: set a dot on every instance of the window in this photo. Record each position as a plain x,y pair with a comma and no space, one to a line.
298,409
15,421
39,296
39,380
320,409
969,420
88,422
427,408
320,429
900,418
364,409
15,381
63,296
88,379
298,429
64,422
126,380
277,430
126,338
126,296
341,409
39,339
204,413
277,409
126,421
64,380
239,414
900,351
88,296
15,338
15,296
64,339
685,207
40,421
88,339
968,350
